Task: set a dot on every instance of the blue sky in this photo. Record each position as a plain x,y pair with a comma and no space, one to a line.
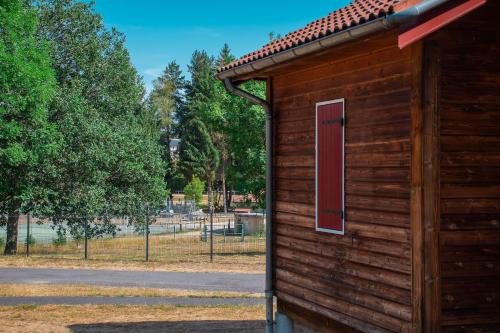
159,31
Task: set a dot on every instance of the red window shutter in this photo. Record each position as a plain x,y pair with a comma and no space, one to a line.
330,167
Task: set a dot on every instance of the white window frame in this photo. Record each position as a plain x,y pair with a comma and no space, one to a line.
336,232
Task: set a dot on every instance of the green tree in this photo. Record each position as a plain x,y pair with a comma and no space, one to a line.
246,143
111,158
194,190
27,139
243,158
198,156
166,99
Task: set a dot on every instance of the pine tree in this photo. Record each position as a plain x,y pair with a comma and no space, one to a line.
168,101
198,156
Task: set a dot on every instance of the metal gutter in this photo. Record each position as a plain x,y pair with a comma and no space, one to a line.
233,89
407,16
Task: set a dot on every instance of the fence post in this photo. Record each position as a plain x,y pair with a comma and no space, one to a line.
28,235
224,234
85,232
174,231
242,233
147,234
204,232
211,235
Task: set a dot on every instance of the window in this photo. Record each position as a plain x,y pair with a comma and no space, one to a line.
330,138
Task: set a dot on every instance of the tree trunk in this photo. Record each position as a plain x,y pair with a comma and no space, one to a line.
229,195
11,242
224,192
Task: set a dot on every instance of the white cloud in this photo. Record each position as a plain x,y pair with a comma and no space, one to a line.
153,72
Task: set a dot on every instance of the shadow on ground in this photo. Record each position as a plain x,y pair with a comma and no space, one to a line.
245,326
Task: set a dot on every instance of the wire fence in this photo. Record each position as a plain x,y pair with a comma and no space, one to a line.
168,238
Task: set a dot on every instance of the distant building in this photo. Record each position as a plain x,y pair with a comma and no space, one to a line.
174,148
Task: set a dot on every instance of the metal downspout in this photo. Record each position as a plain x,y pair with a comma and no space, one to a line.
230,87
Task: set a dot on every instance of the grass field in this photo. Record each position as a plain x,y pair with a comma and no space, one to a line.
250,263
23,290
127,319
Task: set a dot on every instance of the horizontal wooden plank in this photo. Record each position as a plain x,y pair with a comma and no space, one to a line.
329,313
380,160
337,278
360,60
351,240
295,197
387,71
334,266
470,175
295,173
392,233
470,206
390,323
465,159
470,221
296,138
390,146
348,295
294,184
378,100
466,269
481,252
295,161
464,127
401,190
378,217
463,238
470,191
378,174
344,253
471,143
396,205
296,209
298,149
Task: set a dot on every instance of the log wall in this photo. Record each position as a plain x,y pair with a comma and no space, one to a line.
362,279
469,239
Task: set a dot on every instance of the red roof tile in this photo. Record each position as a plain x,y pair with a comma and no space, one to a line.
357,12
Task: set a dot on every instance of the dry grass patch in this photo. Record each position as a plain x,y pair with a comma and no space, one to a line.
22,290
109,318
250,264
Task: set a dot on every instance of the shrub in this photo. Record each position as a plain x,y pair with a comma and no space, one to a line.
60,240
194,190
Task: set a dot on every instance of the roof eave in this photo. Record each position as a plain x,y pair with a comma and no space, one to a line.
385,23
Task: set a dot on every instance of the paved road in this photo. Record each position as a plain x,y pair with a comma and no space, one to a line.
253,283
13,301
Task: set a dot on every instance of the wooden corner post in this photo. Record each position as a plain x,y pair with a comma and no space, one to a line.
432,292
416,182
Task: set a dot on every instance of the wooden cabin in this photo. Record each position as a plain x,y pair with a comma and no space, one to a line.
386,167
